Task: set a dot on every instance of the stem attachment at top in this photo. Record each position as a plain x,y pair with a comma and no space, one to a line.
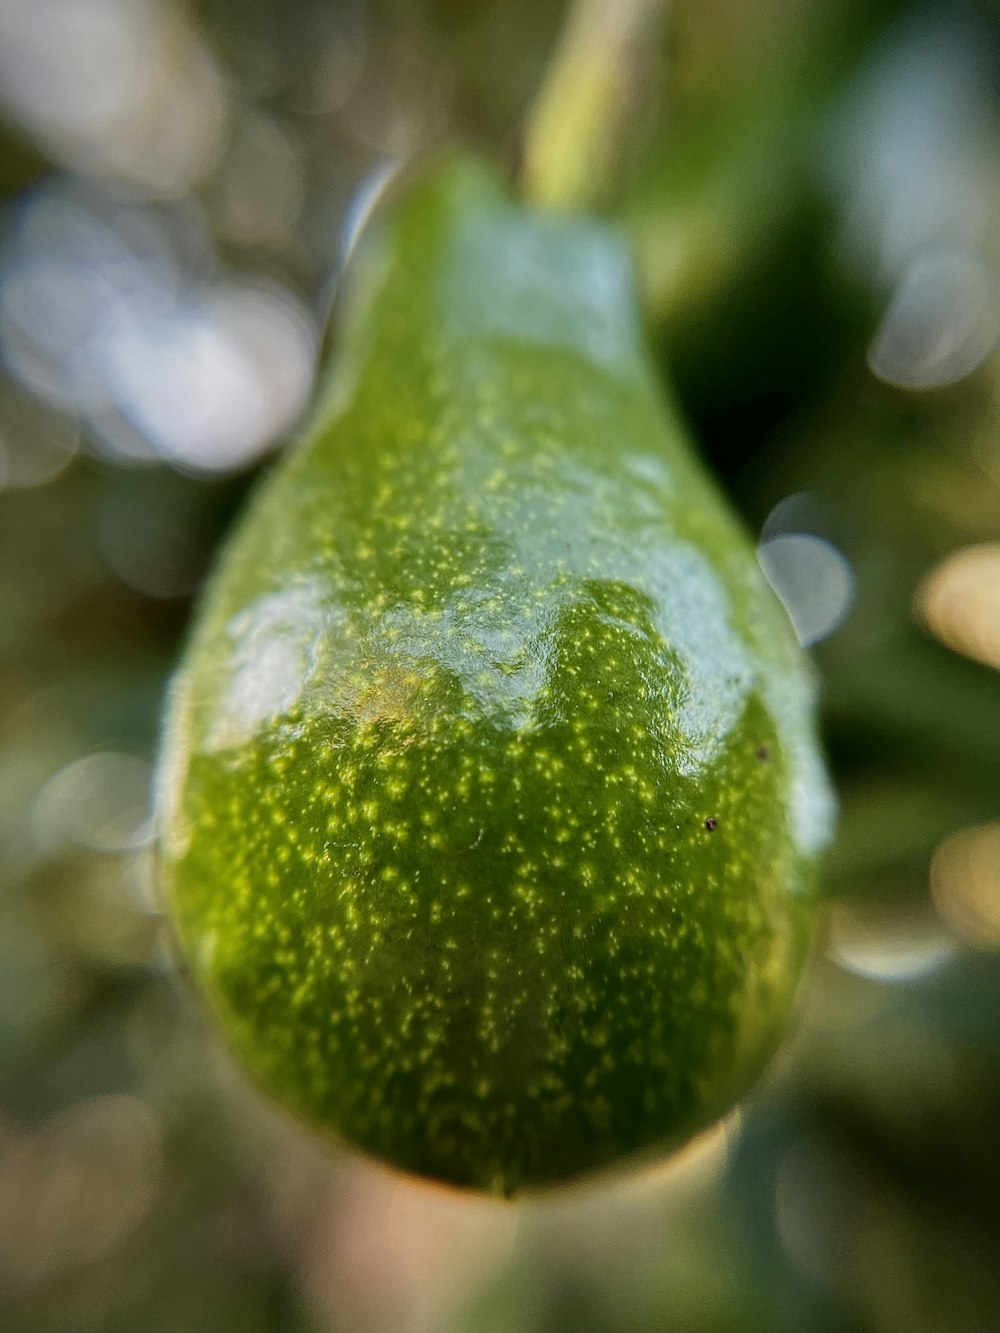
578,129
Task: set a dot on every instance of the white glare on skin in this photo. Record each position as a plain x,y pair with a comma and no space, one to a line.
960,603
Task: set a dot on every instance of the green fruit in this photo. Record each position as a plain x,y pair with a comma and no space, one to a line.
490,795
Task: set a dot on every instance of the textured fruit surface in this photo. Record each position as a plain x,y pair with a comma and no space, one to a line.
490,796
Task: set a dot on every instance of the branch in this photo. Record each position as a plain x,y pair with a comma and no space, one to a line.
579,127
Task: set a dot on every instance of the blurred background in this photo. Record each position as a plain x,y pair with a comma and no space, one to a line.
813,193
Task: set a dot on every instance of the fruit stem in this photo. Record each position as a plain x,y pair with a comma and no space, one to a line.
579,129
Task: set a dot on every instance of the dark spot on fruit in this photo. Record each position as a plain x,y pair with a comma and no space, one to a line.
711,823
763,753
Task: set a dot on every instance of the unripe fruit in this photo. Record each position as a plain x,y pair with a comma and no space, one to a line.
490,795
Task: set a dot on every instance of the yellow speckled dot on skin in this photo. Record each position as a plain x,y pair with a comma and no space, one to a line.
490,796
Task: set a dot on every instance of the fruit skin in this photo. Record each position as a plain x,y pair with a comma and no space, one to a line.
490,798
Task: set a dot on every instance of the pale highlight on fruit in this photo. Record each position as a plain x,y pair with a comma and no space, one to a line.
490,795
